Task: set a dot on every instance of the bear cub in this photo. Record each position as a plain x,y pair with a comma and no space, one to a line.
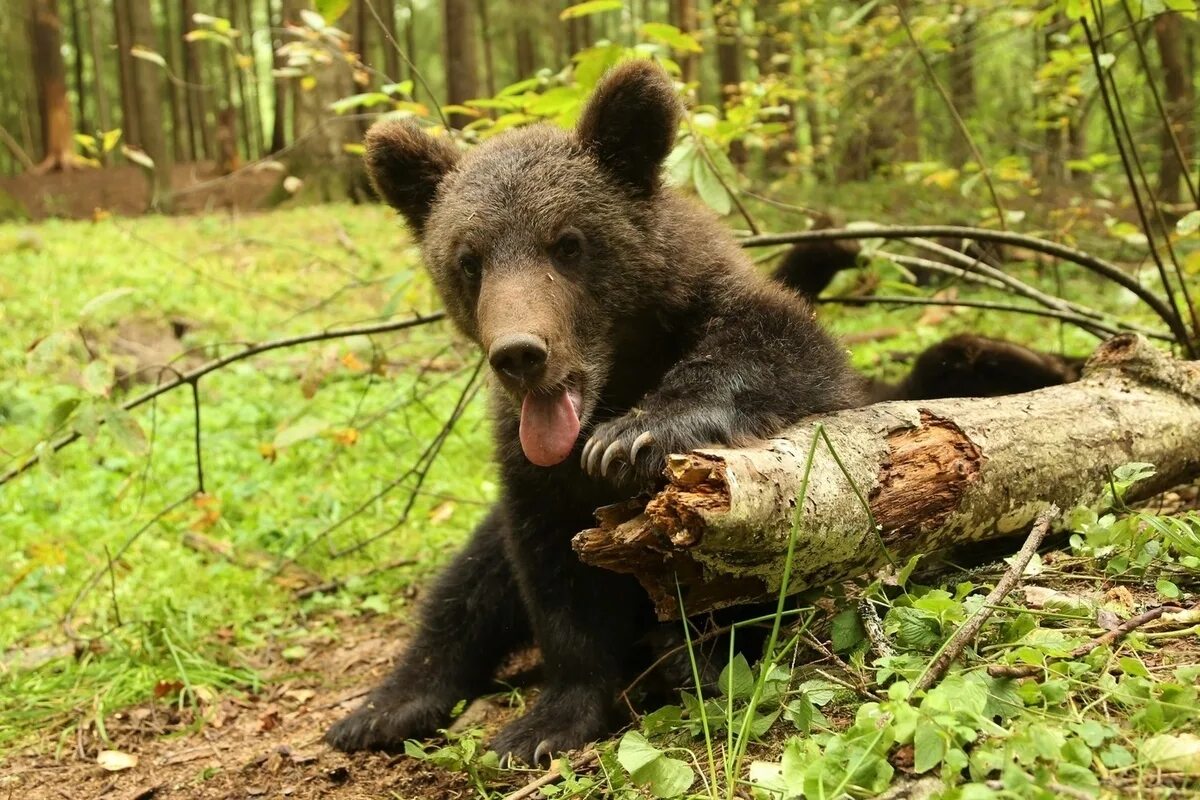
622,322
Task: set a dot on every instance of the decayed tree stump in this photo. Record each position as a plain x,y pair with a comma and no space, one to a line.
932,474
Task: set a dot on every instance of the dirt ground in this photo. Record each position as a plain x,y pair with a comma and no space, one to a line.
123,190
263,746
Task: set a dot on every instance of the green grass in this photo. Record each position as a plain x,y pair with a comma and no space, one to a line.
296,440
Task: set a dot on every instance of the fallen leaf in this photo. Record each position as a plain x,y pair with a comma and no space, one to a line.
442,512
1175,753
116,760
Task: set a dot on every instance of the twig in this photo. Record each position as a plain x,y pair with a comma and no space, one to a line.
1097,265
14,148
873,626
963,131
94,578
339,583
195,382
1127,164
241,355
737,202
553,775
412,68
1066,316
1008,581
1106,638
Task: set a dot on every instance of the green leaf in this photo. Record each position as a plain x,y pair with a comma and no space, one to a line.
590,7
101,300
665,777
146,54
110,139
364,100
126,430
671,36
1189,224
331,10
846,631
737,680
1167,588
62,412
307,428
709,187
97,378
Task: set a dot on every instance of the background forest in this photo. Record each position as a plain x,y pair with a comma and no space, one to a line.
237,440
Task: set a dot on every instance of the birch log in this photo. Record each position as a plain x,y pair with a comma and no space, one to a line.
914,477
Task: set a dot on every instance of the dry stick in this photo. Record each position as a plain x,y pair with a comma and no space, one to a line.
1013,285
984,169
1119,104
337,584
553,775
15,149
1184,165
703,148
873,627
416,73
250,351
1106,269
1126,162
1107,638
937,301
1008,581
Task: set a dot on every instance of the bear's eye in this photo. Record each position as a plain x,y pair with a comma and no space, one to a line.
470,264
568,247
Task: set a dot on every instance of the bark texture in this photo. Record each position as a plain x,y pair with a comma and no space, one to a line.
932,474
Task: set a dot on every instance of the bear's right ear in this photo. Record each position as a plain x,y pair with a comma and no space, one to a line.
407,165
630,123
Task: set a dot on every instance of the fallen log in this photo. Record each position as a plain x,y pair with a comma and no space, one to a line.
893,479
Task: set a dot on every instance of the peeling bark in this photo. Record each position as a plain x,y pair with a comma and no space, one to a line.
932,473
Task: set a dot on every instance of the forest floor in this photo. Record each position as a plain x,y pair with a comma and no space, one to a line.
215,636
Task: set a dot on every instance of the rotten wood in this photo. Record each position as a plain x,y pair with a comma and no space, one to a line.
908,477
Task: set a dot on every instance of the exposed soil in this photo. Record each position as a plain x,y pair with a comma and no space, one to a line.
83,192
259,746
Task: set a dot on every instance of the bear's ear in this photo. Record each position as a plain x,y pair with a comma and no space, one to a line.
630,123
406,165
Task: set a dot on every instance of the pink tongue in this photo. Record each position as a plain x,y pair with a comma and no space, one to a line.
549,427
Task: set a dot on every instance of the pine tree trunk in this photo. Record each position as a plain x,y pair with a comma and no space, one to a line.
99,90
50,76
172,35
130,124
485,34
933,475
729,63
1179,101
389,43
280,86
193,74
689,63
962,86
80,86
257,140
462,75
526,58
149,79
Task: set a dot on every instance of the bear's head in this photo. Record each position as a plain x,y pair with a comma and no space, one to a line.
543,244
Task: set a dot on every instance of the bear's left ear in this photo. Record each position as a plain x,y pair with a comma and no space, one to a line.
407,165
630,123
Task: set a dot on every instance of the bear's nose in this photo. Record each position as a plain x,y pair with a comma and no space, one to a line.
520,356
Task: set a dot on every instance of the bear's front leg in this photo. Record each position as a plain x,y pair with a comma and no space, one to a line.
586,622
472,620
762,365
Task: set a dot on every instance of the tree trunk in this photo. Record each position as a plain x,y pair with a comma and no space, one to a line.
962,85
279,85
462,76
1179,102
193,75
252,78
149,79
934,474
410,46
526,58
130,124
172,36
388,42
50,75
99,90
80,85
485,33
775,59
689,63
729,63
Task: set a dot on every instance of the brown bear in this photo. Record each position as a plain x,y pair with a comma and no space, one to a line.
622,322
